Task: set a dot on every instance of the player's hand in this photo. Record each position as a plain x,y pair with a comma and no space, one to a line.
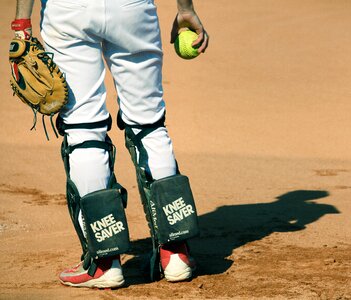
22,28
189,19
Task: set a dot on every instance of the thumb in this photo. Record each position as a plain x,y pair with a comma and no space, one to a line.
174,31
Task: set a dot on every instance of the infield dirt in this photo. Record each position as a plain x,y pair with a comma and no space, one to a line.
260,124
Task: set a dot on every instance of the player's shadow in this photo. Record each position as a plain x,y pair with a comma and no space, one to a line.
231,226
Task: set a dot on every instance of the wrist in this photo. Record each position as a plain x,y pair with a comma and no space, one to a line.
183,9
21,24
185,5
22,28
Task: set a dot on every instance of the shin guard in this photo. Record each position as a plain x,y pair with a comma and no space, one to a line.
104,231
168,203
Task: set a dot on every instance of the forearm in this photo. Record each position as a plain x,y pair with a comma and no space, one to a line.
22,24
185,5
187,18
24,9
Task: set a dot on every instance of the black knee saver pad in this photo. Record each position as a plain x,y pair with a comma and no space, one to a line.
106,223
174,213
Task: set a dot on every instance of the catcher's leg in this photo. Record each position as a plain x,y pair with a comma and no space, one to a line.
98,215
72,34
168,201
136,66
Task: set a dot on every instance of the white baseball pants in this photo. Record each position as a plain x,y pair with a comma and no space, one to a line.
83,34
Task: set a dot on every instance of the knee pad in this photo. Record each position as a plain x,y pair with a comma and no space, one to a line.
173,209
106,225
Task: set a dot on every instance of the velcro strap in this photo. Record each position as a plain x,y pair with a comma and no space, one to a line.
90,144
145,129
61,126
136,138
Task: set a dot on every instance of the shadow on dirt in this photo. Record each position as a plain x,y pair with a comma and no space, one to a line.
231,226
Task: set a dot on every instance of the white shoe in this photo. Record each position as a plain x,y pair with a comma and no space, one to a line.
176,262
108,275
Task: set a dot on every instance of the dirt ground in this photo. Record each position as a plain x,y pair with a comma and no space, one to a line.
261,125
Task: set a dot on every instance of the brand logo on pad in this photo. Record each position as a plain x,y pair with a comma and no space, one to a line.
106,227
177,211
153,214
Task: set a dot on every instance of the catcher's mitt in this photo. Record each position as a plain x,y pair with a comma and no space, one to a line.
36,79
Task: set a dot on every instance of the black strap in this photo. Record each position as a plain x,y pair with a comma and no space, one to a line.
123,125
107,145
61,126
90,144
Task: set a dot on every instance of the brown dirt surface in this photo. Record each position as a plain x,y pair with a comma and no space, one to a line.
260,124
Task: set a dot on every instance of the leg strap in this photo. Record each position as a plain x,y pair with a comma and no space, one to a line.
62,126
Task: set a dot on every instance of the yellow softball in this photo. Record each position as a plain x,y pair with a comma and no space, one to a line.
182,44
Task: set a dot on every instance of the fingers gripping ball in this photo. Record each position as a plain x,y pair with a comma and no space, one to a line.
183,44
